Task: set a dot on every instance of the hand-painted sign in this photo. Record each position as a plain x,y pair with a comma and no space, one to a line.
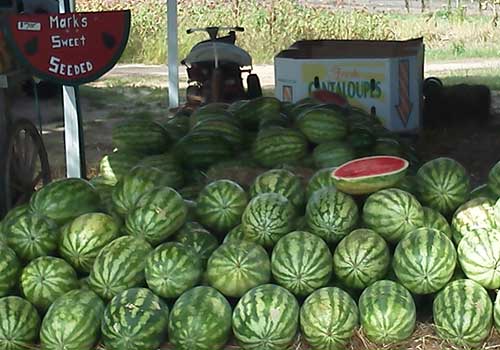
70,48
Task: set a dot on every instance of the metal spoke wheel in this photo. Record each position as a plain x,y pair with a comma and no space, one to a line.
27,165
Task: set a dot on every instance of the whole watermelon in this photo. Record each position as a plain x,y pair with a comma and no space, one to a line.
10,269
236,234
393,213
443,184
331,214
475,214
226,127
201,150
434,219
276,146
479,256
200,320
72,322
361,258
134,319
256,110
301,262
274,315
333,154
462,313
322,125
321,178
220,205
119,266
45,279
83,238
172,268
170,167
494,179
280,181
238,266
65,199
328,319
387,312
424,261
157,215
114,166
195,236
267,218
483,191
140,135
20,324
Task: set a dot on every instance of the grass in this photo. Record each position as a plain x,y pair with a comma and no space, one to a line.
488,77
273,25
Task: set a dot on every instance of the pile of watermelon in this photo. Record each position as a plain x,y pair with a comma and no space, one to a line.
148,254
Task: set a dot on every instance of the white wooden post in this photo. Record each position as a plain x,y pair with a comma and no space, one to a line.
173,54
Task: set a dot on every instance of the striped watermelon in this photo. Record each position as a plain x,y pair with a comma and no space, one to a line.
266,318
200,320
201,150
224,126
483,191
31,236
140,135
387,146
301,262
434,219
256,110
134,319
443,184
114,166
238,266
20,324
72,322
474,214
494,179
424,261
387,312
479,256
171,168
322,125
65,199
220,205
12,216
236,234
209,111
119,266
280,181
331,214
134,184
276,146
409,184
172,268
321,178
361,258
195,236
157,215
45,279
496,311
333,154
328,319
463,313
393,213
267,218
10,269
83,238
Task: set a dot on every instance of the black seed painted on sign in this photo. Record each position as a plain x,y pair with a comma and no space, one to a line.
108,40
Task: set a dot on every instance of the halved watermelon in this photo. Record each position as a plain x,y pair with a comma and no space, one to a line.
369,174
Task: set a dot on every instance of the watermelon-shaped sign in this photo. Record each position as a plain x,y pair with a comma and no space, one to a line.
70,48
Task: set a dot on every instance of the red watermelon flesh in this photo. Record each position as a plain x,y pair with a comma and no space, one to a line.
326,96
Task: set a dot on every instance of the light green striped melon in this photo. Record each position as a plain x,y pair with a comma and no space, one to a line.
301,262
140,135
10,269
266,318
235,234
193,235
387,312
331,214
83,238
172,268
267,218
170,167
275,146
45,279
72,322
361,258
321,178
479,256
19,324
134,319
157,215
443,184
119,266
463,314
220,205
424,261
436,220
393,213
238,266
200,320
114,166
494,179
474,214
322,125
328,319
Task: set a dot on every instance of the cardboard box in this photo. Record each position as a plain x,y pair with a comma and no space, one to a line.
382,77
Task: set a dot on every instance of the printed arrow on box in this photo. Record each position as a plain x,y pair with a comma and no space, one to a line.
405,106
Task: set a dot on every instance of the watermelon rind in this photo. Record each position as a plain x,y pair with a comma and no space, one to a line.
436,220
20,324
10,268
475,214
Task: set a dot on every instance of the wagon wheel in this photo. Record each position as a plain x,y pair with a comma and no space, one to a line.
27,165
